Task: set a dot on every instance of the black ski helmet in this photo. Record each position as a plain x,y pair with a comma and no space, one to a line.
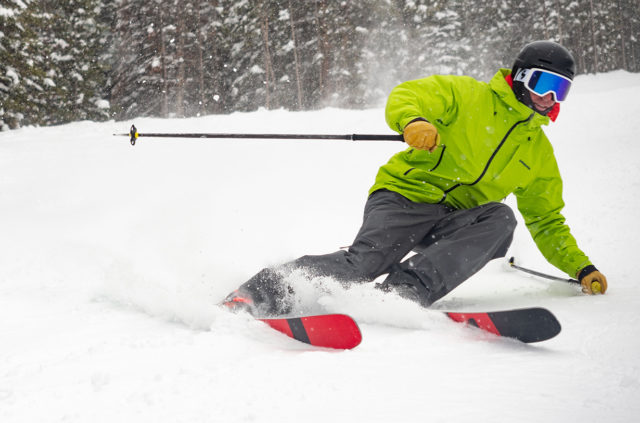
543,55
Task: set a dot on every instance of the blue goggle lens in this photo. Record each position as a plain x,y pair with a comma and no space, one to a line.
542,83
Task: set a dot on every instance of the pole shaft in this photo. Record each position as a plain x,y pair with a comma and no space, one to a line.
347,137
540,274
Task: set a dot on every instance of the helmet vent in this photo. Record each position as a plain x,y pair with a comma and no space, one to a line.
546,61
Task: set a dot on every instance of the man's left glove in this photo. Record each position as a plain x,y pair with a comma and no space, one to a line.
422,135
590,279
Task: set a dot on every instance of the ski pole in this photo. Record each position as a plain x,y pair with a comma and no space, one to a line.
596,288
133,136
512,263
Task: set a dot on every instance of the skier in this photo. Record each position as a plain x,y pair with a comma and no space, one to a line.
470,145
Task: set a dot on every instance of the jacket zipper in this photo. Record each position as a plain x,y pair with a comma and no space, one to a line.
495,152
439,160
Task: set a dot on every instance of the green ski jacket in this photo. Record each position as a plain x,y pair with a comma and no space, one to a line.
492,145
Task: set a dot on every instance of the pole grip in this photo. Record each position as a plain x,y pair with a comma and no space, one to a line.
133,134
373,137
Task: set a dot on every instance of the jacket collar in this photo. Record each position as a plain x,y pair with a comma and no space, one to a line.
501,84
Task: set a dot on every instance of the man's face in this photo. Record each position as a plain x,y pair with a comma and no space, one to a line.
542,103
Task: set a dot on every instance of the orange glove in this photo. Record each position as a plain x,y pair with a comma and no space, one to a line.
591,281
422,135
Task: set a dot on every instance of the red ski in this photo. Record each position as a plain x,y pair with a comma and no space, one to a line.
337,331
340,331
526,325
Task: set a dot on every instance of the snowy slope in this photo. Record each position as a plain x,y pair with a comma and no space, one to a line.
113,257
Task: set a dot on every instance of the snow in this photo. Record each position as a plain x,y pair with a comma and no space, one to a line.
114,257
256,69
11,73
102,103
9,13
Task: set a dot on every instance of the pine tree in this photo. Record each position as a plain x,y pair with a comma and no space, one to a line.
12,59
347,34
211,52
74,41
57,62
142,59
251,80
22,79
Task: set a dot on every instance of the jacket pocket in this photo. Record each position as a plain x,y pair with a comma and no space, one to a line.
422,159
518,173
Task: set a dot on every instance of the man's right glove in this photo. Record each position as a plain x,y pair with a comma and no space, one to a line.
422,135
588,278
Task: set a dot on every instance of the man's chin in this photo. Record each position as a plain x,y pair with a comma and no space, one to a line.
543,110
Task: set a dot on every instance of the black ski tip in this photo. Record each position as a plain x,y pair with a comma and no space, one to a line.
527,325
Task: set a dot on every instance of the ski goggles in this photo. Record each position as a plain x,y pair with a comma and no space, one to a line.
543,82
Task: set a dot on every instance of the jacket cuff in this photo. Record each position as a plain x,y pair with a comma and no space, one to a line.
584,272
415,120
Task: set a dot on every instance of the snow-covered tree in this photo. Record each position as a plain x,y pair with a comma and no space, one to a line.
54,61
22,80
73,37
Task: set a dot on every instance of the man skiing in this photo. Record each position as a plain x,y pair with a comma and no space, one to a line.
470,145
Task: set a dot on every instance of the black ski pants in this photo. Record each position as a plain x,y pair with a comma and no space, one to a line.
450,245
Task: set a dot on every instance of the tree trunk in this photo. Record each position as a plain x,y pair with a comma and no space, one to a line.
180,79
621,30
295,56
202,104
545,18
559,14
323,40
593,37
164,112
269,76
215,72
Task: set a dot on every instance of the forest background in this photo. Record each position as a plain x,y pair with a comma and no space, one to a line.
63,61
